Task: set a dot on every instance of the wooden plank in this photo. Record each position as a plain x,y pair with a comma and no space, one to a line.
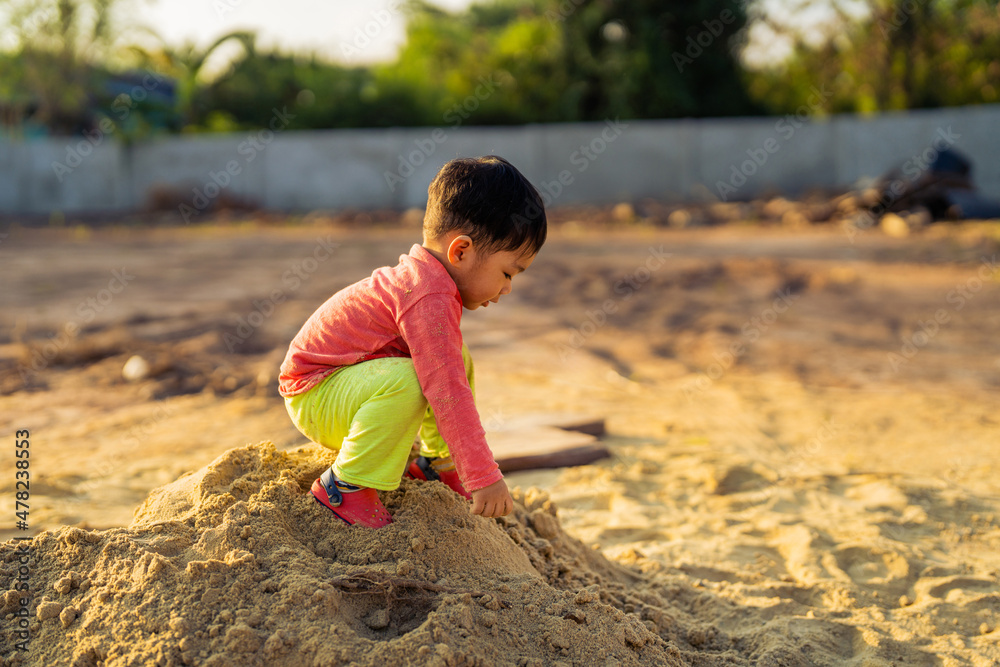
566,421
531,442
576,456
535,440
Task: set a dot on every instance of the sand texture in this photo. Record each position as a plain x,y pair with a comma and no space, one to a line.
802,426
237,565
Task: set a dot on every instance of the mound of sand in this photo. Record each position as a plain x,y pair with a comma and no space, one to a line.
806,501
237,565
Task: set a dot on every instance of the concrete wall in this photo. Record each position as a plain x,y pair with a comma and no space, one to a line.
570,163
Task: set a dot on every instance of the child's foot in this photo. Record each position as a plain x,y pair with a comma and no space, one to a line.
430,468
352,504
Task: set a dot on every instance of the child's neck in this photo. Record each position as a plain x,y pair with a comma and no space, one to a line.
440,253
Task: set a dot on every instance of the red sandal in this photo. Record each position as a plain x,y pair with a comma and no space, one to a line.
361,507
422,469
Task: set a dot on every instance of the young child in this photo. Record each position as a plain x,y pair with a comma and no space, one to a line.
383,358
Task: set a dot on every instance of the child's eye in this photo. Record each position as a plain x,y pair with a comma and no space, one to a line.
507,276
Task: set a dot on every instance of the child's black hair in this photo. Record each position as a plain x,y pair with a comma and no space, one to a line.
488,199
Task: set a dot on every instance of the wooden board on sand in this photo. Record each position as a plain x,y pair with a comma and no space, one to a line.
531,442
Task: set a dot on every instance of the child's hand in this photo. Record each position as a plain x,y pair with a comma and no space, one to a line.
493,500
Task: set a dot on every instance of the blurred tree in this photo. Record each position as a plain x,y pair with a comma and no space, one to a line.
319,95
59,51
654,58
508,62
71,65
898,54
566,60
185,65
495,63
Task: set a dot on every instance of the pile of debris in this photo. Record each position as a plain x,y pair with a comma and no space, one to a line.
901,200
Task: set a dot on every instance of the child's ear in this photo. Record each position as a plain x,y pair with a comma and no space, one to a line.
460,249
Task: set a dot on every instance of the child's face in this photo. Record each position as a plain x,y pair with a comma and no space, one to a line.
484,279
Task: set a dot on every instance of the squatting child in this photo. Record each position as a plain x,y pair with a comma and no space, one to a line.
383,359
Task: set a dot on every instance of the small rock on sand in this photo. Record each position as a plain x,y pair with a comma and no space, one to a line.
135,369
894,226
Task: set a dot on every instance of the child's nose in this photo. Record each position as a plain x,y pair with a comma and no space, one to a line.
506,288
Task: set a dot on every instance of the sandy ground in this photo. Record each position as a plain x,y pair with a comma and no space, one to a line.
803,428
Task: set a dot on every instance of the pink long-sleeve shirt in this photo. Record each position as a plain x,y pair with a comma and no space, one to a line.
411,310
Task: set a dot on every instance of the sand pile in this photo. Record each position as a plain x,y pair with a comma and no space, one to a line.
236,565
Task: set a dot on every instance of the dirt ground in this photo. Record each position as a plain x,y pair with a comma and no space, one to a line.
804,422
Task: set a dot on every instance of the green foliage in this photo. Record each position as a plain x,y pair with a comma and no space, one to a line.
492,64
61,54
578,60
185,63
318,94
68,66
510,62
905,54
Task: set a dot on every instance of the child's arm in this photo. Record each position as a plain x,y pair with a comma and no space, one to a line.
430,328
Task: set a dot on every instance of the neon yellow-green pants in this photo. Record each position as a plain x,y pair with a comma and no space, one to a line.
370,414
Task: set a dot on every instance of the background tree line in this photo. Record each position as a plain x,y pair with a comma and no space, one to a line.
72,65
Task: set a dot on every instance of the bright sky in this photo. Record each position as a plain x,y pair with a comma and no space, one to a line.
350,32
373,30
